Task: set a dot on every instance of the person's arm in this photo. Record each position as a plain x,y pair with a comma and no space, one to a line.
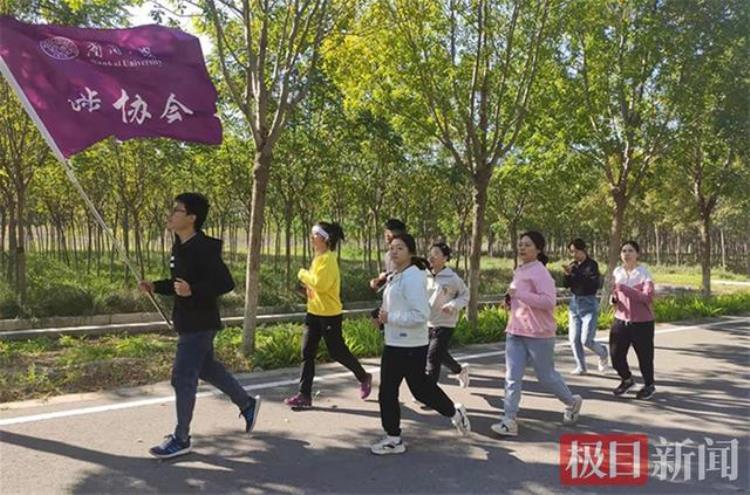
644,295
462,296
416,308
215,276
322,276
545,296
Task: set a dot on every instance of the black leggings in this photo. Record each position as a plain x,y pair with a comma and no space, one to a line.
641,336
396,364
438,354
329,328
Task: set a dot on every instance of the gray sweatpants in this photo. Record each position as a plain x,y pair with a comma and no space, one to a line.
541,353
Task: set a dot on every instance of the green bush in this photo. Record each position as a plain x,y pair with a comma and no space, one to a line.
9,307
362,338
278,347
122,301
490,327
61,299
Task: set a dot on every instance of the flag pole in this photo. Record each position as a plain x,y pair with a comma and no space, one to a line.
74,180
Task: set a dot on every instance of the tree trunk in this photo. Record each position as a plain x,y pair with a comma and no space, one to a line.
288,236
723,250
480,183
513,231
21,285
3,225
12,248
252,278
615,241
657,242
705,251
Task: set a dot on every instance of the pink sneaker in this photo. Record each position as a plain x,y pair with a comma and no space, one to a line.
365,387
299,401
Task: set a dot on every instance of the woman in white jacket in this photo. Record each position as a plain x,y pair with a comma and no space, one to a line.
448,296
404,314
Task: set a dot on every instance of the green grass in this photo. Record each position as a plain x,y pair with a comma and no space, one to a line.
43,367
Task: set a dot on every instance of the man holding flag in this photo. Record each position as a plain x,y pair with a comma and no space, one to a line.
80,86
199,277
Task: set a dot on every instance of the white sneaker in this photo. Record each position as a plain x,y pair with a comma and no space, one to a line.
506,427
578,371
461,420
463,376
388,445
570,415
604,363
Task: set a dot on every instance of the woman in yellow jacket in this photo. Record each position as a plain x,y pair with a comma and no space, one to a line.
324,315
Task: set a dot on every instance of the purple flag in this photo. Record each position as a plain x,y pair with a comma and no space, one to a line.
88,84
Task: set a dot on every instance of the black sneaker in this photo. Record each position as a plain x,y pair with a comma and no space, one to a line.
250,413
624,386
170,447
646,392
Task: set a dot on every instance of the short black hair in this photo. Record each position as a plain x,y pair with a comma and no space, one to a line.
195,204
578,243
395,225
632,243
411,246
444,248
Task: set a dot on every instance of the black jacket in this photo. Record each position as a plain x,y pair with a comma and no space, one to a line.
198,262
584,278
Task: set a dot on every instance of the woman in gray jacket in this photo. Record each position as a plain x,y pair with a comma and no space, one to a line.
448,295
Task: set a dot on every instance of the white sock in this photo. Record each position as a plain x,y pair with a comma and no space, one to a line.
394,439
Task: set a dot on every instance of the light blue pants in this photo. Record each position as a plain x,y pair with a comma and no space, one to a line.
583,313
541,353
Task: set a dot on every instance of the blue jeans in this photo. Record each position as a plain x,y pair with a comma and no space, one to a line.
583,315
195,359
541,353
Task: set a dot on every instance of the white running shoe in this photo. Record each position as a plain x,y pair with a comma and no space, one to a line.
461,420
570,415
388,445
506,427
578,371
463,376
604,363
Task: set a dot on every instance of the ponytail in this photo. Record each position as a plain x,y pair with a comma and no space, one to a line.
335,233
420,263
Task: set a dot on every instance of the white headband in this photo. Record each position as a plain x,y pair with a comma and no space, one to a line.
317,229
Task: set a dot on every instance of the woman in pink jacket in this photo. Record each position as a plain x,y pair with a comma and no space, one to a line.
633,296
531,334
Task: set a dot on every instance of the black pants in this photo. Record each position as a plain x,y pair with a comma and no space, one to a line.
396,364
437,352
329,328
641,336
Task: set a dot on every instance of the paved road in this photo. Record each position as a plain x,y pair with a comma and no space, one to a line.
97,443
